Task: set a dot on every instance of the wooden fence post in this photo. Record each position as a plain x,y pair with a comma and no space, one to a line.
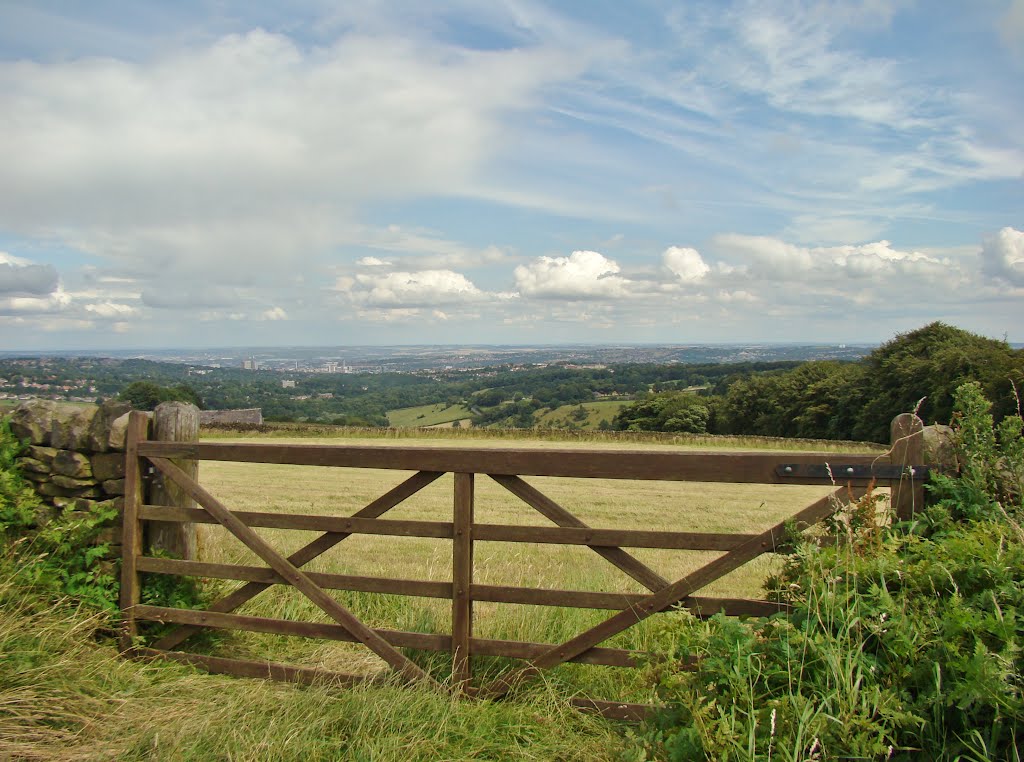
906,434
131,544
174,422
462,580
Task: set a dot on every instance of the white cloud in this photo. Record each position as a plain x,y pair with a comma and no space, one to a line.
274,313
10,259
740,296
770,259
372,262
421,249
790,55
111,310
686,264
56,302
410,289
581,275
1002,256
248,159
765,256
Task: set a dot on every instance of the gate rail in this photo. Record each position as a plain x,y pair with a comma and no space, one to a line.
851,474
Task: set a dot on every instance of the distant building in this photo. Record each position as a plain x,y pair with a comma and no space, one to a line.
250,364
330,367
287,384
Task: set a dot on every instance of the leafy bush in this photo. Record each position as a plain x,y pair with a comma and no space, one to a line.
904,641
18,502
63,554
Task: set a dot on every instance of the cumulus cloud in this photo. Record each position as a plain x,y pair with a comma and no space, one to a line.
581,275
56,302
765,258
686,264
372,262
274,313
1002,256
403,289
20,277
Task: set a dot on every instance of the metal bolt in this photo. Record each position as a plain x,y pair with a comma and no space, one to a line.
849,470
788,469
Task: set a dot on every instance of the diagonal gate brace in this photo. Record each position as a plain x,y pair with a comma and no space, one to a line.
305,554
669,595
291,573
563,518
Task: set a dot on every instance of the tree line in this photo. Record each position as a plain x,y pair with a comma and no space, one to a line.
916,371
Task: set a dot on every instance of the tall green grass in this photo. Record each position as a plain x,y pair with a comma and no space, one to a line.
65,694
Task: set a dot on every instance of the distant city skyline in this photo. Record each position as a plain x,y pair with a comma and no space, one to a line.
208,174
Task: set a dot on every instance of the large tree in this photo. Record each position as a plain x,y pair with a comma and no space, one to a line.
921,370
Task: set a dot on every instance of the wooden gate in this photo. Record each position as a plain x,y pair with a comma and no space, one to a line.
851,476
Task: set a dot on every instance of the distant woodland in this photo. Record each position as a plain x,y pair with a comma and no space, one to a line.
818,399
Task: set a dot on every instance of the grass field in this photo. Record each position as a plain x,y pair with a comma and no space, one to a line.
596,412
601,503
426,415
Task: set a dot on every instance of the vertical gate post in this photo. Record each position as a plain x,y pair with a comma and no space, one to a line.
131,544
174,422
906,434
462,580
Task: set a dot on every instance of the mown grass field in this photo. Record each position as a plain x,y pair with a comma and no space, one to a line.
427,415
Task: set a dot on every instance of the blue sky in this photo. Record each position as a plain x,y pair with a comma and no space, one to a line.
200,173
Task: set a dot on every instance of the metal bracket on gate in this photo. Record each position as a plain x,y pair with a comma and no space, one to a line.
839,472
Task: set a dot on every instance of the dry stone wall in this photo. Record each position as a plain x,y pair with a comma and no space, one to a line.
75,458
250,415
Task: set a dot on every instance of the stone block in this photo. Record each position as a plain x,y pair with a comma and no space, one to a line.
107,465
118,432
41,453
33,465
100,429
33,421
69,482
70,428
114,486
53,490
72,464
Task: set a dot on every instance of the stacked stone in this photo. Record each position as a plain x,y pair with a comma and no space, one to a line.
75,458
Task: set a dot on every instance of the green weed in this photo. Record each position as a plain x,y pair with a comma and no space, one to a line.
904,642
